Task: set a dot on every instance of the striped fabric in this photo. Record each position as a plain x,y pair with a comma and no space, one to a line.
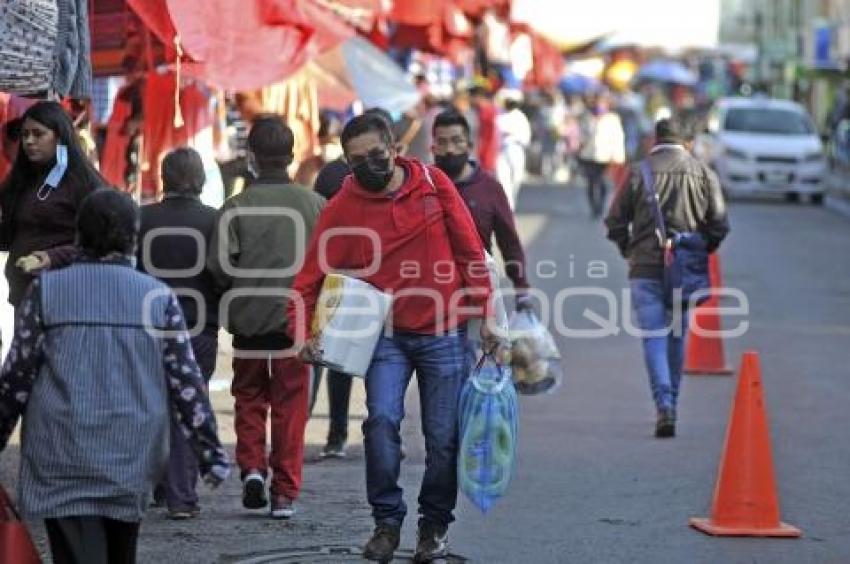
28,35
98,338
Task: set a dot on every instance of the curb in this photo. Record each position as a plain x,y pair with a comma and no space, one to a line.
838,204
837,197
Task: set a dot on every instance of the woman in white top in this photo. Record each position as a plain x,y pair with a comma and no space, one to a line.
515,132
603,143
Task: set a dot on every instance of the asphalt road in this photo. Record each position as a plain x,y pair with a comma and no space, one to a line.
593,485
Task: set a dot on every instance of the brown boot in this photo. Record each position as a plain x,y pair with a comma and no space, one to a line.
383,544
665,425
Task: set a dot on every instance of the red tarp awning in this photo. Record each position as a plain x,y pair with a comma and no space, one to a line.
548,63
475,8
417,12
434,26
238,50
154,14
243,45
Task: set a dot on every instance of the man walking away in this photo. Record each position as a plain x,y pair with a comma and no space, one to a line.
259,239
167,250
690,199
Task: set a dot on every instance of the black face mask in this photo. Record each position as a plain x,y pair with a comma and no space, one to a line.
451,163
374,174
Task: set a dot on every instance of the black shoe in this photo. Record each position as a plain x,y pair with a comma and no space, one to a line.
432,542
254,491
158,498
383,544
334,449
665,426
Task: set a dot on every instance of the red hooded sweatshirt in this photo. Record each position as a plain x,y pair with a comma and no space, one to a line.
428,252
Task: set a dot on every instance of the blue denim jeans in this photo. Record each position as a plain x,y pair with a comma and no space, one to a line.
441,368
664,349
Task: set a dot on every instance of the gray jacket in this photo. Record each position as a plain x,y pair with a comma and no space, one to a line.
99,360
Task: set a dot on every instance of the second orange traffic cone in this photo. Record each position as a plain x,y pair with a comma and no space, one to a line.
745,500
704,353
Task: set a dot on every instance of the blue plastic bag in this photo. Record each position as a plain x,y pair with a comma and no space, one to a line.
488,433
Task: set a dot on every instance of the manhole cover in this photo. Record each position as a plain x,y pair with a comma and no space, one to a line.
324,554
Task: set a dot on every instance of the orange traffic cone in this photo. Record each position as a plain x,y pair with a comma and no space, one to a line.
704,354
745,501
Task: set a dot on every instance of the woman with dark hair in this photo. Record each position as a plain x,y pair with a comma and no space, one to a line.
40,197
98,395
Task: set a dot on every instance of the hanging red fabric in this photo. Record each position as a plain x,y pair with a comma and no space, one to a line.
159,133
113,160
418,12
457,33
242,45
239,51
428,38
434,26
548,63
154,14
330,30
475,8
286,13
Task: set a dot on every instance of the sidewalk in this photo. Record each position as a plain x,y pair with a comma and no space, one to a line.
333,519
838,191
333,515
332,511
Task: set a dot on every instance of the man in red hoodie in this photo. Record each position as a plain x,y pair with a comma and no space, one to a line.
417,242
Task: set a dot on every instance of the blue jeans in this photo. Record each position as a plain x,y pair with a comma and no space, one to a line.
441,368
664,351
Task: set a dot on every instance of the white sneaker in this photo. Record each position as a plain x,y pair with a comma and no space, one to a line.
282,507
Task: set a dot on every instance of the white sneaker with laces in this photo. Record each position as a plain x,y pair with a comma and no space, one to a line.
282,507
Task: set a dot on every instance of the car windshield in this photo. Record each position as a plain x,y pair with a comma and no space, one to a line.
769,121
